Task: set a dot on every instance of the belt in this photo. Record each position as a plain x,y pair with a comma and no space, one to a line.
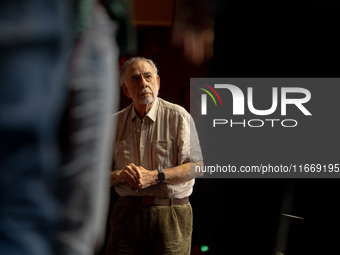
148,200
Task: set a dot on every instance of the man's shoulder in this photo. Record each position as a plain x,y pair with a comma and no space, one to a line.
122,113
172,108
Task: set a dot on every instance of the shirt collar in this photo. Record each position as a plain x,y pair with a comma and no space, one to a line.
152,113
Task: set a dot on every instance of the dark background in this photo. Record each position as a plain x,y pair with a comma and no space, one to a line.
254,39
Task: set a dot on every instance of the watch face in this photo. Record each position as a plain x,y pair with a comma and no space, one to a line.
161,175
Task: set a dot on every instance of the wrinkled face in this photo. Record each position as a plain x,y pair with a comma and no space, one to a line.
141,83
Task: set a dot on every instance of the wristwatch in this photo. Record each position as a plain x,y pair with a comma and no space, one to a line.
161,175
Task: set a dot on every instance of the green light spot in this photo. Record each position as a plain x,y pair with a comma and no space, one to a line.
204,248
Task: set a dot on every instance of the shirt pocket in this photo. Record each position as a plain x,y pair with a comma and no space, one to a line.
122,154
162,154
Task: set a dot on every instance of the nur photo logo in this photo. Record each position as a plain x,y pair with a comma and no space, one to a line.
240,101
204,98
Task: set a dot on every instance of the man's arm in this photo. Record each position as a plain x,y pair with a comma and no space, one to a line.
183,173
137,177
178,174
174,175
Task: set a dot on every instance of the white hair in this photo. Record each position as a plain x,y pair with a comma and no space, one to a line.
131,60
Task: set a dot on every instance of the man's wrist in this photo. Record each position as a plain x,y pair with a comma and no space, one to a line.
154,175
119,174
115,177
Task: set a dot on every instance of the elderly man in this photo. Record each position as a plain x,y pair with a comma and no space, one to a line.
151,168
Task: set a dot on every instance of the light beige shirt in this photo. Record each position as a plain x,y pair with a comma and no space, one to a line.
161,140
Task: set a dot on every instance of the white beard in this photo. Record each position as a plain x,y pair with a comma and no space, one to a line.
147,100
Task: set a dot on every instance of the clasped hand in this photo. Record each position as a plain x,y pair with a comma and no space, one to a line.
137,177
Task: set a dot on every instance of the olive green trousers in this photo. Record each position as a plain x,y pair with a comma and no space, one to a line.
139,229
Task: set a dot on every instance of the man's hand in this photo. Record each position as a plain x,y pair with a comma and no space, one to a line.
148,177
131,175
136,177
144,177
128,175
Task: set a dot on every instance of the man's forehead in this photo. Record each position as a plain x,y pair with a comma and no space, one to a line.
139,67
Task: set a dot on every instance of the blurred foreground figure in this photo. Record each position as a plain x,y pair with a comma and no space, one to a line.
56,97
35,45
84,188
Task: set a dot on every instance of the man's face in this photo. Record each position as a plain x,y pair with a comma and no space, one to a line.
141,83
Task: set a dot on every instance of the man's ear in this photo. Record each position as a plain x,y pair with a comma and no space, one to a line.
126,92
158,81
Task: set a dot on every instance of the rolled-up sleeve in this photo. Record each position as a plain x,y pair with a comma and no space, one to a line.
188,142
